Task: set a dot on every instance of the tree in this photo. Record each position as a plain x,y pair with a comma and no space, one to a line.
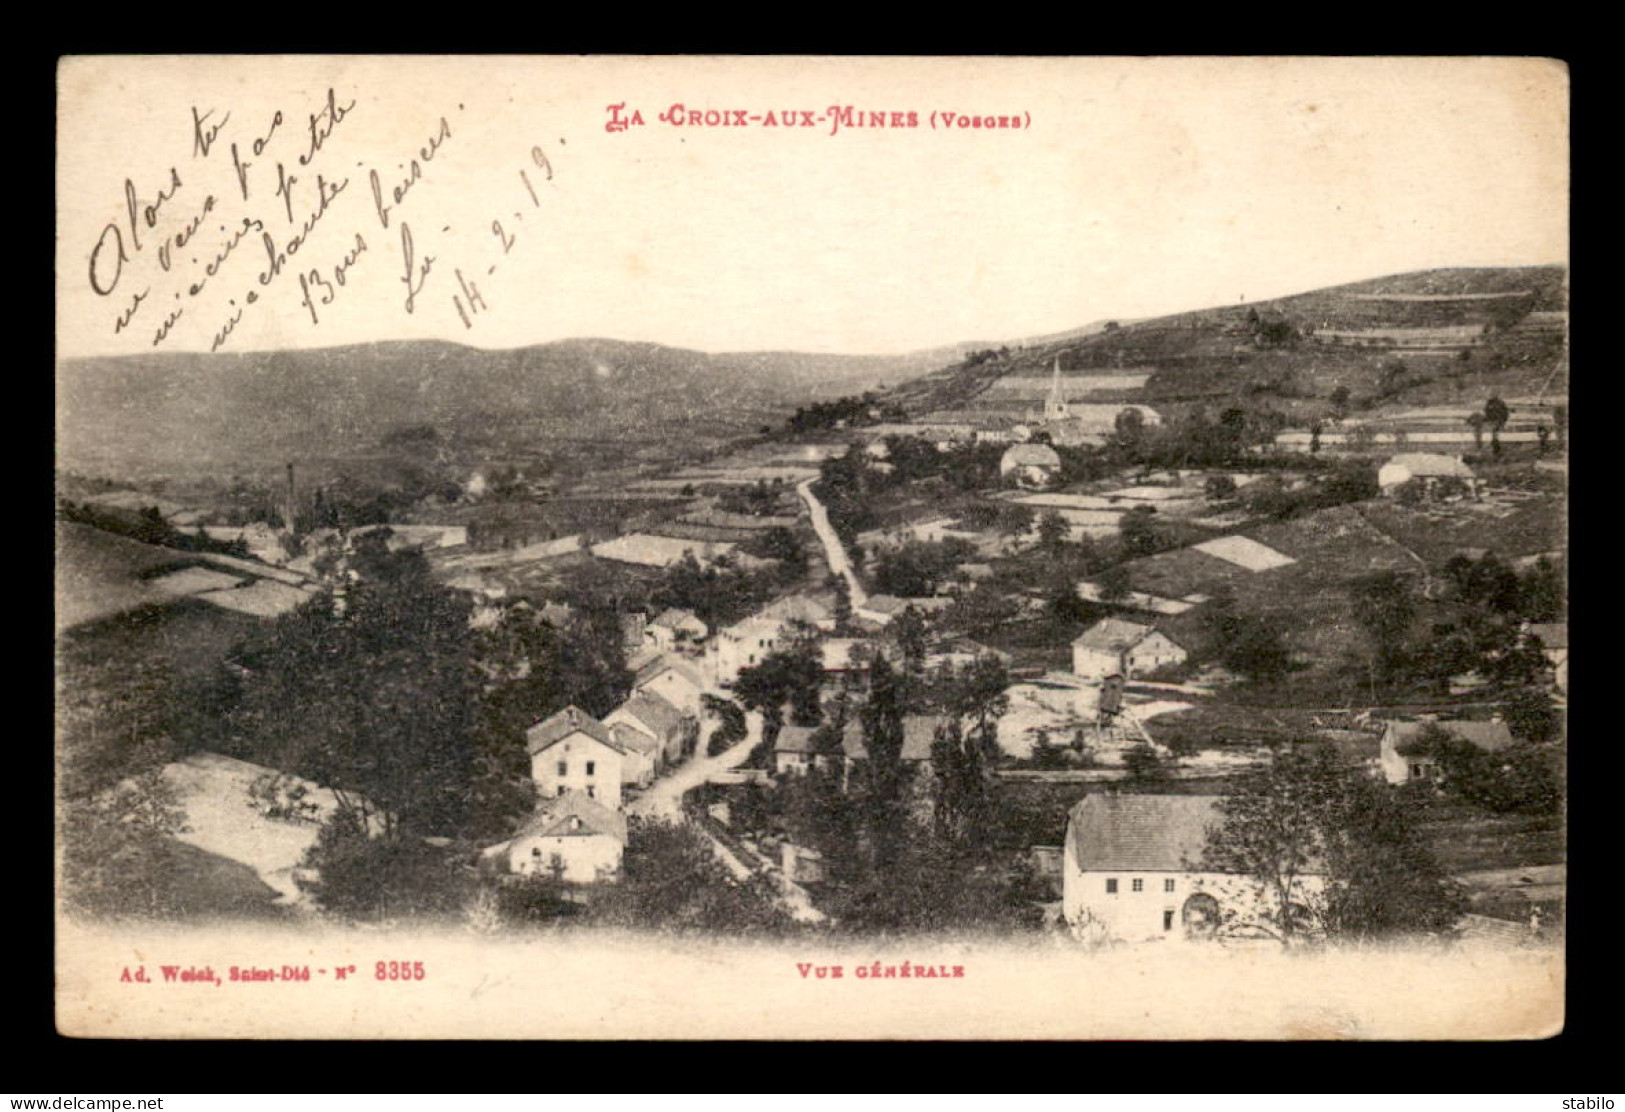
1340,400
1477,421
1138,533
359,873
1052,532
1129,432
1247,644
843,603
116,847
1219,487
1496,416
1045,753
792,676
1531,716
883,772
671,881
1015,519
1143,765
1542,592
1523,778
1308,815
961,804
1113,584
1384,605
732,727
373,695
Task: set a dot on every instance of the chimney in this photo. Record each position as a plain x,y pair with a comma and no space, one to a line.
288,507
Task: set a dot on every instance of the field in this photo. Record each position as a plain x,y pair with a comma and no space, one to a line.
1510,527
136,679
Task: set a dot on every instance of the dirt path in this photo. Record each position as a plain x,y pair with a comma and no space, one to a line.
834,551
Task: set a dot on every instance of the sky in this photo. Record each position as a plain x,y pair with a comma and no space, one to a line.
1133,188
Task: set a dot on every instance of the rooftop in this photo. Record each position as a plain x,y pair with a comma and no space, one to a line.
571,720
1489,736
574,814
1113,635
1112,832
1030,455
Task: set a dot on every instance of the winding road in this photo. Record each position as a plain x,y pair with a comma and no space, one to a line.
834,551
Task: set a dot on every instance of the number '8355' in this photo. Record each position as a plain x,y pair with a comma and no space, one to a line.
399,971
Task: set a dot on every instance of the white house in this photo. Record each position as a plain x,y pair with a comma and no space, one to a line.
797,749
881,609
642,753
571,837
663,724
1114,646
573,751
674,681
676,630
1400,767
741,646
1132,871
811,609
1032,465
1428,467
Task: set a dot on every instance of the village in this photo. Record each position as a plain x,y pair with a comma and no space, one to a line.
1019,661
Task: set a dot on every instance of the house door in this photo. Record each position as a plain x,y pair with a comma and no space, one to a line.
1200,916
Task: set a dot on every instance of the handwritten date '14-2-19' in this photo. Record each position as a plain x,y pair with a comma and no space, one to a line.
470,302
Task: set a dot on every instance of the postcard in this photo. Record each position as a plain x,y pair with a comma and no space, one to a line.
811,547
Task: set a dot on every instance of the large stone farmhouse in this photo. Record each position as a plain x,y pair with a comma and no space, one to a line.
571,837
1131,871
1115,647
1401,765
573,751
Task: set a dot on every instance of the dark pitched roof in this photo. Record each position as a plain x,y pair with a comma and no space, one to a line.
1030,455
663,664
1489,736
803,608
663,719
795,739
633,739
1150,833
1113,635
570,720
573,814
675,620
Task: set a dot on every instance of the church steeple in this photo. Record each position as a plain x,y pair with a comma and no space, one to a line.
1055,409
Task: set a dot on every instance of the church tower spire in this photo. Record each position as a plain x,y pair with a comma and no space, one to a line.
1056,409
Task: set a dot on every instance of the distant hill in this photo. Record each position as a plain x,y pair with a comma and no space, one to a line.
1302,347
127,415
589,404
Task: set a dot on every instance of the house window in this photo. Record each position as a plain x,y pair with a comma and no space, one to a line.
1168,919
590,766
1111,884
592,792
560,790
1139,885
1419,772
1168,886
564,768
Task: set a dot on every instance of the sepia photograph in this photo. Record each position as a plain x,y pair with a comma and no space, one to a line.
776,548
